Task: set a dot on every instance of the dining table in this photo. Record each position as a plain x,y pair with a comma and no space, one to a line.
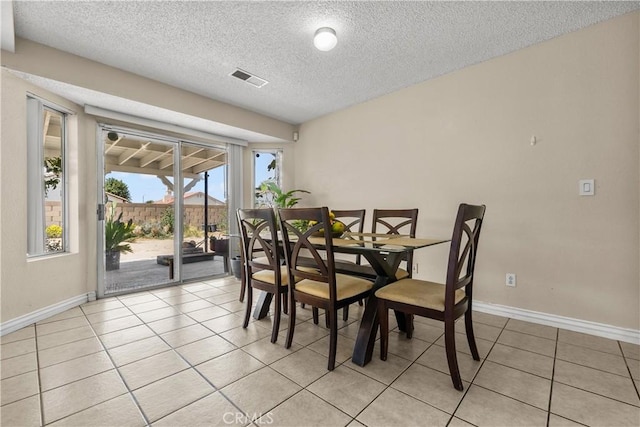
384,253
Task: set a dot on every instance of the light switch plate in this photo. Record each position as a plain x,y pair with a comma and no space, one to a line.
586,187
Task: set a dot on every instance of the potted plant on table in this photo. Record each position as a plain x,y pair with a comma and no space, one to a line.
116,236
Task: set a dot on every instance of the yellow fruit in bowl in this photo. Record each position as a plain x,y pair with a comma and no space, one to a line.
337,227
332,216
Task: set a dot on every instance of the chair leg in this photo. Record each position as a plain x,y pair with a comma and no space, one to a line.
468,326
276,317
450,346
327,322
314,312
360,303
243,286
292,320
285,303
333,337
345,313
302,305
247,314
408,320
383,317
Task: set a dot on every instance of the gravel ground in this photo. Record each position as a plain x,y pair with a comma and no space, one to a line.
150,248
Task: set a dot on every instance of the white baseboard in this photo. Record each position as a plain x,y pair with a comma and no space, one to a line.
577,325
44,313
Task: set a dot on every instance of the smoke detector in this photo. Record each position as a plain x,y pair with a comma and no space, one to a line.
252,79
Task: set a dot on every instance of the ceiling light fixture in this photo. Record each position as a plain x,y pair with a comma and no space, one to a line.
325,39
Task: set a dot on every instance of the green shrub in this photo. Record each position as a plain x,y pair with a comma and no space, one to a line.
146,228
192,231
167,219
54,231
156,232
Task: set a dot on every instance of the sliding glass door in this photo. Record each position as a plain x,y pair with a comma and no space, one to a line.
163,209
205,211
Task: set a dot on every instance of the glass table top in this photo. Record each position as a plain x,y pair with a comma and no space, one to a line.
378,242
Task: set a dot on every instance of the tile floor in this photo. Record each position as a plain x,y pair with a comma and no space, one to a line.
179,357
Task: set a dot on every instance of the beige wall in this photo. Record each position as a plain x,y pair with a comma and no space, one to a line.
465,137
29,284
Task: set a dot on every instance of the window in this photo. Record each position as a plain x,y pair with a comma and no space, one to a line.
266,167
46,181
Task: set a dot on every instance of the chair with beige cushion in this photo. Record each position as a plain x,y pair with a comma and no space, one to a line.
398,221
353,220
320,287
445,302
263,266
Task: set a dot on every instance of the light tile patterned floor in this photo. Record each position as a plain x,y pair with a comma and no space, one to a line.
180,357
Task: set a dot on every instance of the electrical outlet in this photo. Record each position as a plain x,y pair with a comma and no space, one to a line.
415,268
511,280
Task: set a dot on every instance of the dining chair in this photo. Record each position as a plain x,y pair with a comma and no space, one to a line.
353,220
262,261
312,276
397,221
445,302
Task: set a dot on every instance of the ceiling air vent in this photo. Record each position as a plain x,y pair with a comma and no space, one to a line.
249,78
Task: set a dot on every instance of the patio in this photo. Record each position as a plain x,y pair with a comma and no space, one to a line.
140,269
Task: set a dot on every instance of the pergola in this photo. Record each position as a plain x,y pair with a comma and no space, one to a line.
132,154
137,155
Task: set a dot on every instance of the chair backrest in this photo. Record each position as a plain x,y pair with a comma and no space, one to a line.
259,238
397,221
353,219
463,252
300,250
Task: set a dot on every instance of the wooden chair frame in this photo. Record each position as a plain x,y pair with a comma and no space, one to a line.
459,257
298,251
382,219
353,220
253,225
396,221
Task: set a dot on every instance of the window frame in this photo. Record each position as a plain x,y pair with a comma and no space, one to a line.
36,197
278,153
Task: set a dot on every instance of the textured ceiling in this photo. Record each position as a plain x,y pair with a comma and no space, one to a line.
382,46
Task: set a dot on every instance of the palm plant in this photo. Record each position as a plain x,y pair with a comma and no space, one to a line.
273,196
116,235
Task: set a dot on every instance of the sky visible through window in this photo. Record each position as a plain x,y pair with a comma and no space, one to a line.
262,161
144,188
